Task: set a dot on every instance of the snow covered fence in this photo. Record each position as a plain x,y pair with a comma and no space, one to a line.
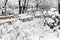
7,21
7,17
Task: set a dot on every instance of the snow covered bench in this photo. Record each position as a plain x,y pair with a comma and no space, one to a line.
25,18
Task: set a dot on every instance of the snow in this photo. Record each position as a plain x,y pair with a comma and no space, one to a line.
38,13
29,30
25,16
32,25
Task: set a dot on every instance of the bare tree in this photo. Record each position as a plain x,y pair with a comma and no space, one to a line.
42,4
37,2
25,5
4,7
37,5
20,8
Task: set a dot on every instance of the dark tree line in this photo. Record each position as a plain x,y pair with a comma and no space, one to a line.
22,7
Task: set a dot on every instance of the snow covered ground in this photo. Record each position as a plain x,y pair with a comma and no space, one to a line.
34,29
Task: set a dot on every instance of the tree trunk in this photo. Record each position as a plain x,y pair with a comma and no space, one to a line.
4,8
24,7
20,8
59,8
37,7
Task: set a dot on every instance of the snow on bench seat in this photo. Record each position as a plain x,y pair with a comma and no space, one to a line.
26,18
